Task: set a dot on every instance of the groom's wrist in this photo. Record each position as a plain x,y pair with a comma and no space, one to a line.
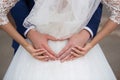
86,34
30,33
90,31
28,29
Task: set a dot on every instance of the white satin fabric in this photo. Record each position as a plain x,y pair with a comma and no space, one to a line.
92,66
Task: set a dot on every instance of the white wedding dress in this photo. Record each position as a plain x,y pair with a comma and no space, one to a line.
61,19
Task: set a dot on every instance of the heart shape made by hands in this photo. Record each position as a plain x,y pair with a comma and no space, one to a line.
57,46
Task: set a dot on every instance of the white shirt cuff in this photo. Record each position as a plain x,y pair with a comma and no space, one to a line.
28,29
89,30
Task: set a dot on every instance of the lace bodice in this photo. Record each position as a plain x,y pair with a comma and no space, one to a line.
114,6
6,5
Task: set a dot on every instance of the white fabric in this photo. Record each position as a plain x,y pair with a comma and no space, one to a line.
50,16
92,66
113,5
54,18
28,29
6,5
33,27
89,30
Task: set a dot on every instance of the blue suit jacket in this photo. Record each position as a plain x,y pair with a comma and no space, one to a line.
23,7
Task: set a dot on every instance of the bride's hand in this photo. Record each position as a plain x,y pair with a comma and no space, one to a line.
82,50
79,39
40,41
36,53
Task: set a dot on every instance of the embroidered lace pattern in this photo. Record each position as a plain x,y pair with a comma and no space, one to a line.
114,6
5,6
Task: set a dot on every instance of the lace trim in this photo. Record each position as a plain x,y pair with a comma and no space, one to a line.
114,7
5,6
3,20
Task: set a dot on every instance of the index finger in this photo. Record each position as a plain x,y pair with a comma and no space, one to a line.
49,52
67,47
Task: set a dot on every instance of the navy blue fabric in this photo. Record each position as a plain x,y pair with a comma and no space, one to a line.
23,7
19,13
95,20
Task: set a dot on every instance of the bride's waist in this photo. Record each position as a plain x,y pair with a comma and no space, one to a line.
59,30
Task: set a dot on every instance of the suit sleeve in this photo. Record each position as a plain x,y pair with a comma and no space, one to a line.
19,13
94,22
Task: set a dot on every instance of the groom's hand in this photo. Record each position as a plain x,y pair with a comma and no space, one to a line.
40,41
70,52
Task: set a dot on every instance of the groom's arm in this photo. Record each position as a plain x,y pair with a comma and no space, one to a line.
82,38
94,22
19,13
30,4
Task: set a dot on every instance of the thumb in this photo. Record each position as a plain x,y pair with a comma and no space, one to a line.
51,38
